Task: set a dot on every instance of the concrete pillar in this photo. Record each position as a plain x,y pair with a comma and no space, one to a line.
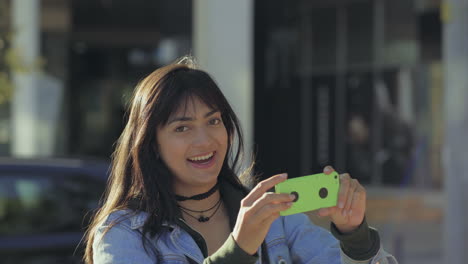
25,21
223,44
37,98
455,59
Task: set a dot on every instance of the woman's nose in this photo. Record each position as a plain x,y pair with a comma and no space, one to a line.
202,138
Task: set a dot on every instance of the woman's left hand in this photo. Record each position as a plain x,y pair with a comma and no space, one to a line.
350,210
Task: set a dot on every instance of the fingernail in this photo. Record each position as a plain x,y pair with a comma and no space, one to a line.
341,205
284,175
350,212
289,204
327,169
343,212
292,196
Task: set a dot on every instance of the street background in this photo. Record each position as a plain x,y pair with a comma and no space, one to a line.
376,88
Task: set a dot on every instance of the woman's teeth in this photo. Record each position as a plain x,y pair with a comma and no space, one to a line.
200,158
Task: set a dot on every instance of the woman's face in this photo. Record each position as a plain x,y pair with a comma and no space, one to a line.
193,145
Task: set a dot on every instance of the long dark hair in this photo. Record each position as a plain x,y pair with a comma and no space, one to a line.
138,176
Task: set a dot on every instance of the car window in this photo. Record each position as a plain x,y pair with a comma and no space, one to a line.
32,204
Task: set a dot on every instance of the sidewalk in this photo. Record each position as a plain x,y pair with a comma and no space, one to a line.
409,223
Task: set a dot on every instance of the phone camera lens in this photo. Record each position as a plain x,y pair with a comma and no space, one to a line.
323,193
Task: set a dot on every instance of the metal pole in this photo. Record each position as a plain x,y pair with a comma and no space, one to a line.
341,131
378,44
455,166
306,46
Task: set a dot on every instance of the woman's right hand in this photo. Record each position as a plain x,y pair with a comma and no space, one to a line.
258,211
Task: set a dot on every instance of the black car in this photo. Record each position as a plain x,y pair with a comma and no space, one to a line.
44,207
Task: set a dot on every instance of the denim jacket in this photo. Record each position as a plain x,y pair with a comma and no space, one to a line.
290,239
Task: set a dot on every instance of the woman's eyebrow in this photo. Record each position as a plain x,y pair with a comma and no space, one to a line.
186,118
212,112
182,118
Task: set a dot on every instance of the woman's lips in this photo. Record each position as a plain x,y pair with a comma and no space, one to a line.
203,164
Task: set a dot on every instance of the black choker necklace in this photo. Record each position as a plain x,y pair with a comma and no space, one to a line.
198,197
202,218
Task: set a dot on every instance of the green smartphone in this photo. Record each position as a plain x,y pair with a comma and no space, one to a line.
312,192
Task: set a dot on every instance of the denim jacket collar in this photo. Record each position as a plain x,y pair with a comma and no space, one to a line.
230,194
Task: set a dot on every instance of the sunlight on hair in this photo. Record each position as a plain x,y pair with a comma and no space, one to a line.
188,60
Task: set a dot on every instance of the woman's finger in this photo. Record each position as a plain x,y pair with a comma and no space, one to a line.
323,212
271,210
328,169
261,188
358,200
270,219
350,196
327,211
345,183
271,198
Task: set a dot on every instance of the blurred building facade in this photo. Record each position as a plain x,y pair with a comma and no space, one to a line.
362,80
96,51
354,83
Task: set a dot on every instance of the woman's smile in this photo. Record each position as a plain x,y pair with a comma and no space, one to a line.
203,161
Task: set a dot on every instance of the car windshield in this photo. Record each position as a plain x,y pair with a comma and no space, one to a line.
33,204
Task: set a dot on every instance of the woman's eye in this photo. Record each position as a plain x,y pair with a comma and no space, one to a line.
215,121
181,129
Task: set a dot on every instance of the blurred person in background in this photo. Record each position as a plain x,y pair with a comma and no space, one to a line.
174,194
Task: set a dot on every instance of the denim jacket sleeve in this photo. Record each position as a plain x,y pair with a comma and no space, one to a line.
309,243
119,245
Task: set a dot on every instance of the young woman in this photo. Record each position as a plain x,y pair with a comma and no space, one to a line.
174,195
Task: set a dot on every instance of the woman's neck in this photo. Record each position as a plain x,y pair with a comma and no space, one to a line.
200,205
197,197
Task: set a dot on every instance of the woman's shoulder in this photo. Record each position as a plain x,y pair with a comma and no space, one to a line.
125,218
116,240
